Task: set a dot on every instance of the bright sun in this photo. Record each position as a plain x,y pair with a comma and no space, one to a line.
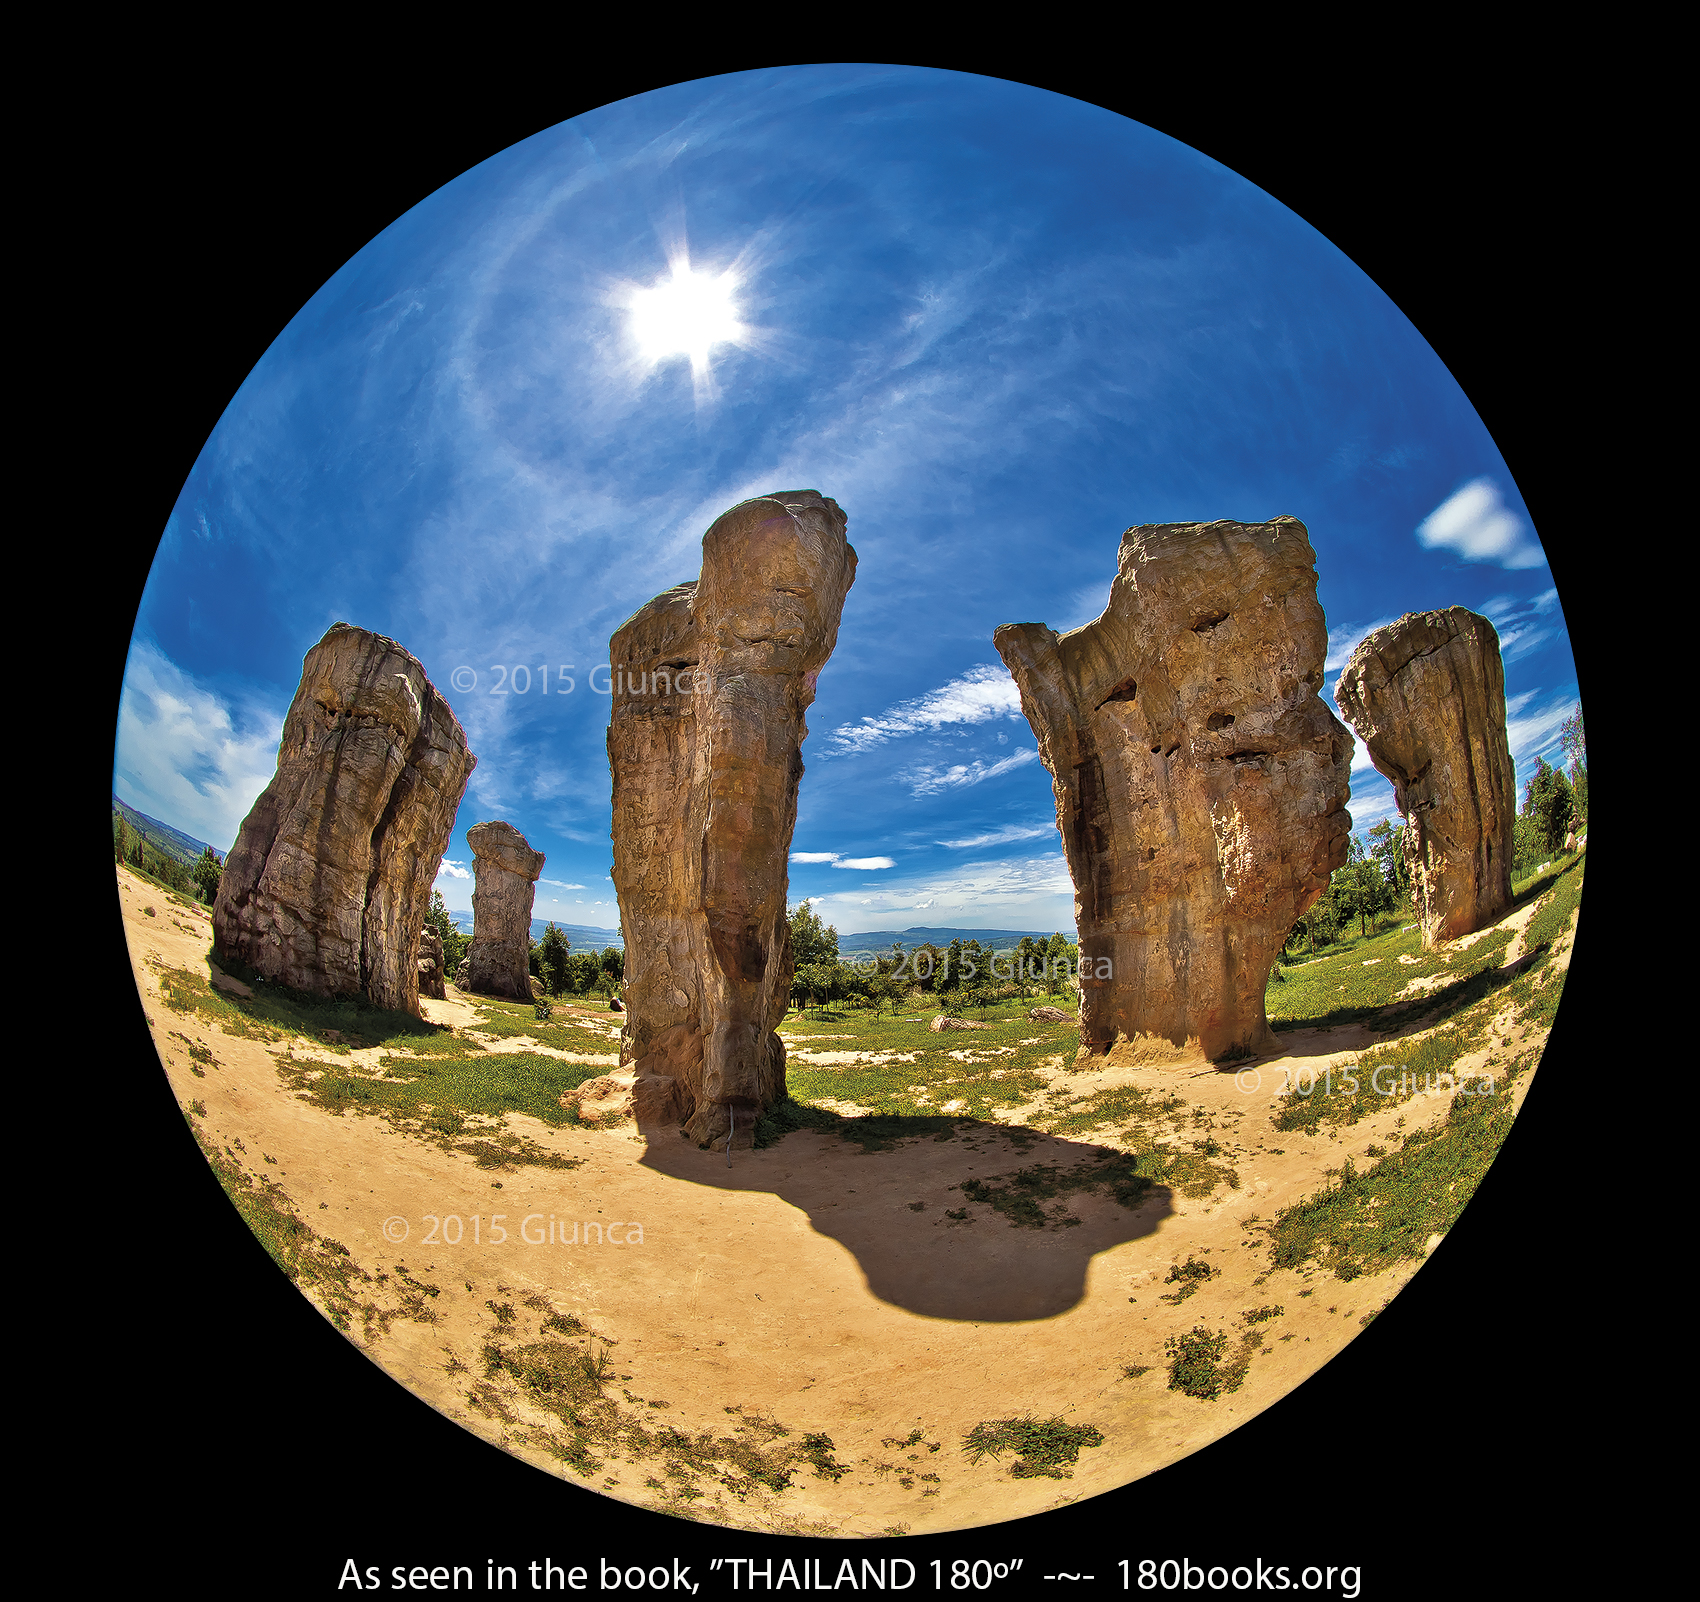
685,314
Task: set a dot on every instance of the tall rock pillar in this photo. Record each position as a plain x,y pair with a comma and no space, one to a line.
505,871
1426,694
1200,781
711,680
330,878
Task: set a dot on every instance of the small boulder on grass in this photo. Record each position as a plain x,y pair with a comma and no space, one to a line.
942,1023
1050,1015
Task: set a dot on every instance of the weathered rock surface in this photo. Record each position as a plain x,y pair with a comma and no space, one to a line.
505,870
431,978
1200,781
939,1023
711,681
1049,1015
1426,695
328,883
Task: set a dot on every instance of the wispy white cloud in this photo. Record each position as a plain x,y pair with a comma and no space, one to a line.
984,692
452,870
856,864
1007,834
931,779
185,754
1475,522
561,884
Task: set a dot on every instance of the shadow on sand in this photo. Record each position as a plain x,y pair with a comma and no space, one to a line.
1019,1251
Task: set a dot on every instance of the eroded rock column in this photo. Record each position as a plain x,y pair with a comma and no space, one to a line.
1426,695
1200,780
330,878
505,870
711,681
431,978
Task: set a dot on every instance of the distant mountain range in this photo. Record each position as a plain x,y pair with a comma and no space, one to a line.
162,837
580,936
990,939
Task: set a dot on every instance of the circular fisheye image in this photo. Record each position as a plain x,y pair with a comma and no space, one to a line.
850,800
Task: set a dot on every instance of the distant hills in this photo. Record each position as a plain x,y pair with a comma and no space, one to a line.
162,837
580,936
586,937
990,939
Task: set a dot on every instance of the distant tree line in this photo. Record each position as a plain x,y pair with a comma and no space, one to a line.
565,972
132,847
962,975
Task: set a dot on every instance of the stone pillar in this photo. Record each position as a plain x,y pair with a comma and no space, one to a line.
505,871
1200,781
1426,695
330,878
711,680
431,964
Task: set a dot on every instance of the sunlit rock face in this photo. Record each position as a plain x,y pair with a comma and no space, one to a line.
1426,695
711,680
1200,780
327,886
505,868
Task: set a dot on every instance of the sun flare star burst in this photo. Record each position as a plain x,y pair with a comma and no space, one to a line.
685,314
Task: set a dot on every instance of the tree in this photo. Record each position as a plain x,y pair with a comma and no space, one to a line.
1573,737
1549,805
1026,963
120,836
811,940
1387,847
208,870
553,955
1360,889
1056,962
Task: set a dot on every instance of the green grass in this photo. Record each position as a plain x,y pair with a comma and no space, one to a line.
565,1030
1046,1449
447,1098
1200,1365
275,1012
1365,1222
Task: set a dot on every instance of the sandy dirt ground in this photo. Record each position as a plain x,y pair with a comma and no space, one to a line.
809,1282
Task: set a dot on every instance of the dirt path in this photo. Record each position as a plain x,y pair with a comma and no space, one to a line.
812,1282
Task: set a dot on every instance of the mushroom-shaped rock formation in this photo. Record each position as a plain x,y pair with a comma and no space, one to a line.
711,680
1200,780
505,871
329,881
1426,695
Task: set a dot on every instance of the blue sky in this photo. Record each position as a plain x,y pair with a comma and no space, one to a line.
999,326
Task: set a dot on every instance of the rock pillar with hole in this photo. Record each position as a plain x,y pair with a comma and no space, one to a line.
1200,780
710,683
1426,695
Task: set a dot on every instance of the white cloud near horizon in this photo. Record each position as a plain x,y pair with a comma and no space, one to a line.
185,755
453,870
984,692
930,779
1475,522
